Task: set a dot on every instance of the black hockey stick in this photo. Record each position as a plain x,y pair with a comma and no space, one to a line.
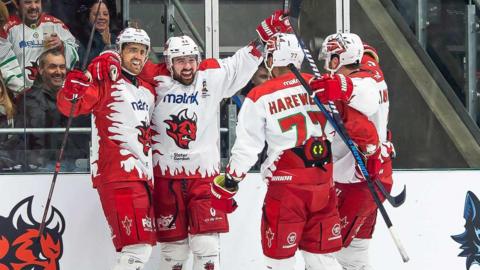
334,118
67,129
395,201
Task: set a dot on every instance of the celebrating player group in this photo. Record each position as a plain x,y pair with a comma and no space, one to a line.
155,159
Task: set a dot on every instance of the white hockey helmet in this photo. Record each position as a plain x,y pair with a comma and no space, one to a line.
133,35
347,46
180,46
284,49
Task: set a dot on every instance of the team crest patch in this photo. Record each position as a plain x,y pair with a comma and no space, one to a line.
209,266
469,240
19,245
182,128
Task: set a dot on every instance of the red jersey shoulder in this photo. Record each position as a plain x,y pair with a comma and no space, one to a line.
276,84
210,63
368,72
49,18
151,70
371,65
12,21
147,85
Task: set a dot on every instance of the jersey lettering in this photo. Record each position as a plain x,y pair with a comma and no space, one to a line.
30,44
139,105
181,98
383,96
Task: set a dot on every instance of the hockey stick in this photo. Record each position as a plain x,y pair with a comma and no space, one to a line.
293,9
67,129
337,123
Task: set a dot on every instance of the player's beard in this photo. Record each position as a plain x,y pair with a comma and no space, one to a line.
182,80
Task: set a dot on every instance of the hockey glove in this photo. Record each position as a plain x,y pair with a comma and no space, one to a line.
75,85
372,161
332,87
223,189
276,23
106,65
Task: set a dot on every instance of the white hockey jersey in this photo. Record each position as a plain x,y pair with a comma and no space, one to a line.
121,134
281,113
11,72
186,137
278,112
33,42
370,97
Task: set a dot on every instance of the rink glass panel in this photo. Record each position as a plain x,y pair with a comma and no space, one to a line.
420,141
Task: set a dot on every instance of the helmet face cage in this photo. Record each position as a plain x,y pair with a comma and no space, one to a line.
133,35
285,50
347,46
180,46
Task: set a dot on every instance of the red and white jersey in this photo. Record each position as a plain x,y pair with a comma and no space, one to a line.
121,115
281,113
33,42
370,97
185,123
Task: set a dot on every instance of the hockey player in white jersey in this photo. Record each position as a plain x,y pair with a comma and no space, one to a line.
9,67
300,207
345,54
185,138
121,155
38,32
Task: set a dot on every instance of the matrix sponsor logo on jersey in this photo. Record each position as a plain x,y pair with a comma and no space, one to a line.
19,246
139,105
470,238
182,98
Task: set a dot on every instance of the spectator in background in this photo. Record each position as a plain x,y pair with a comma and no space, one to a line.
40,111
103,37
10,69
42,32
6,121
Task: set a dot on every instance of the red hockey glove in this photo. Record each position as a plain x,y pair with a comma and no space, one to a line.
106,65
75,85
332,87
223,189
277,22
374,164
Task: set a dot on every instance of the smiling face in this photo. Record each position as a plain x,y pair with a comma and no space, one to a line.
133,57
103,19
31,9
184,68
53,71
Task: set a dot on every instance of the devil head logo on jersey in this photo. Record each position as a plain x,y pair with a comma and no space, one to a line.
470,239
19,246
145,136
209,266
182,129
33,71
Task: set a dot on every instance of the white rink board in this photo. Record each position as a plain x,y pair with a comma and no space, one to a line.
433,212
